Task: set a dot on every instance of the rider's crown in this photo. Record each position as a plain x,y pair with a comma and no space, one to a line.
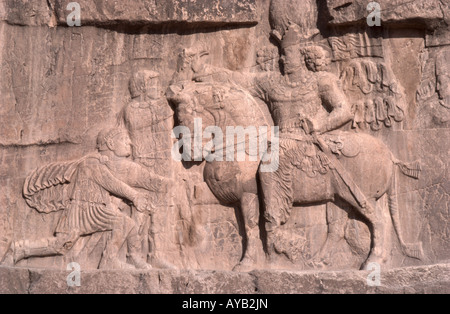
296,36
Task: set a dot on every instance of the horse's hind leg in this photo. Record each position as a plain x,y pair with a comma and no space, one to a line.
337,219
377,225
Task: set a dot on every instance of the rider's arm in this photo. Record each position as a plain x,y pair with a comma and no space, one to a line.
103,177
145,179
335,101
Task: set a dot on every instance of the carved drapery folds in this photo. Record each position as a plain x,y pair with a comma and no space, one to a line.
350,124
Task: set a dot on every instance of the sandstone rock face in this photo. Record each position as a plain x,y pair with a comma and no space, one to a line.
427,13
140,12
230,136
411,280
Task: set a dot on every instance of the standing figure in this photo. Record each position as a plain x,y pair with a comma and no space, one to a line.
149,121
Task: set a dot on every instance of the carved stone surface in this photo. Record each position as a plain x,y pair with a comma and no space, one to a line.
229,136
429,13
411,280
137,12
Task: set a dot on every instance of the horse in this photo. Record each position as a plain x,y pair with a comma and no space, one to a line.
233,183
368,170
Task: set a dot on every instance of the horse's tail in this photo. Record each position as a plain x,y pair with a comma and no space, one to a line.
414,250
412,169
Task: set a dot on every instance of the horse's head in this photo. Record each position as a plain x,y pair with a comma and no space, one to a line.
190,61
218,113
198,107
210,107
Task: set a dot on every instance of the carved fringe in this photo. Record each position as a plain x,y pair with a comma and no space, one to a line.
412,170
414,250
294,155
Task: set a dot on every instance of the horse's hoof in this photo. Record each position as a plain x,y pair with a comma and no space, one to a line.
140,264
163,264
244,267
372,264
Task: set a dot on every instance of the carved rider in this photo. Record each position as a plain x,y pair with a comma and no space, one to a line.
93,189
305,91
305,100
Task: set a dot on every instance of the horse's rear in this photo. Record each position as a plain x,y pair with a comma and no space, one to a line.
367,161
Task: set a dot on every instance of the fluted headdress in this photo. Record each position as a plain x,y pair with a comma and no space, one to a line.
295,36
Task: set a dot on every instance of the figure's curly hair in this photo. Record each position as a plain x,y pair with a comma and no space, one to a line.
312,53
106,135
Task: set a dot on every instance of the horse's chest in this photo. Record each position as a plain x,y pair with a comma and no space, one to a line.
224,180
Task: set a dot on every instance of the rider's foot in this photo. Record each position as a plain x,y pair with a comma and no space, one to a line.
331,248
245,266
373,262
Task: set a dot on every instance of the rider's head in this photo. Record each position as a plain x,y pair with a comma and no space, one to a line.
316,58
115,140
145,83
291,50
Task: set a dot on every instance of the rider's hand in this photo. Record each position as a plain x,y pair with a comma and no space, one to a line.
312,126
141,203
315,127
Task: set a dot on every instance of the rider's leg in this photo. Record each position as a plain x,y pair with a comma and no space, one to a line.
274,214
278,198
337,219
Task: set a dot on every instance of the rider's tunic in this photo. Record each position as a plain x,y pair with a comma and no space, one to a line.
290,105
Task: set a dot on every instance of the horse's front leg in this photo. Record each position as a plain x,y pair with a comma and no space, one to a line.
250,212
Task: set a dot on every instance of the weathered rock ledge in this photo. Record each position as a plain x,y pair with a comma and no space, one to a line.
137,12
420,280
